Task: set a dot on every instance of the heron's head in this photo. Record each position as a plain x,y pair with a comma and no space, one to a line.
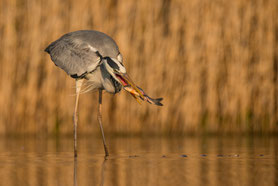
115,68
118,72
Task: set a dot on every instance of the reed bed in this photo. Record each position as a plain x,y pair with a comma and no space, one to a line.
215,63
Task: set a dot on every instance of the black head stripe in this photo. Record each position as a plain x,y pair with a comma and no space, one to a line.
98,54
112,64
75,76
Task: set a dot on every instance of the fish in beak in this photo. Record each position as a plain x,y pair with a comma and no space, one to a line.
126,81
136,91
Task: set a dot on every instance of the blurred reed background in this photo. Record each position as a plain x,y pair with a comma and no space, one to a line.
215,63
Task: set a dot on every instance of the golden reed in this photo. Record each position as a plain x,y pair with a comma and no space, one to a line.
214,62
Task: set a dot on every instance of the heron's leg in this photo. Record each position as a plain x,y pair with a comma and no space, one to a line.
100,122
75,116
75,171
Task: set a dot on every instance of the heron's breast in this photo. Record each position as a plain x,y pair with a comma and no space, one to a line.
111,86
95,79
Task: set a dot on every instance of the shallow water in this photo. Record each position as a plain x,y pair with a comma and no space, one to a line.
140,161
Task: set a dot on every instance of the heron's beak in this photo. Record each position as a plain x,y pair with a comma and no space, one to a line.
126,81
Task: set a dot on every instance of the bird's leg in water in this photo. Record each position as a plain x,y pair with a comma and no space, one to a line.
75,116
100,122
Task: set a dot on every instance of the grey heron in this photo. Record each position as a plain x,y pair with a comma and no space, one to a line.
94,57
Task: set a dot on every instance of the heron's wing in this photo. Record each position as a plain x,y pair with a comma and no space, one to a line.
76,58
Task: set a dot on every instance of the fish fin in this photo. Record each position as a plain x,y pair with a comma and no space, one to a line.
138,100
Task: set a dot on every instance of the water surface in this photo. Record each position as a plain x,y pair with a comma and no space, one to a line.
138,161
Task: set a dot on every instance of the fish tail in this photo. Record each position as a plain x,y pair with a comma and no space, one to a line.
156,101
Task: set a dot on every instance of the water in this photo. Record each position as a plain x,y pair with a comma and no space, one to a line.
140,161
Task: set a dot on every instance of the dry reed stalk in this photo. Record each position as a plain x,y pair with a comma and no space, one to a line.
214,62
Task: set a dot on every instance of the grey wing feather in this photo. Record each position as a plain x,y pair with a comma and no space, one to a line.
75,58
